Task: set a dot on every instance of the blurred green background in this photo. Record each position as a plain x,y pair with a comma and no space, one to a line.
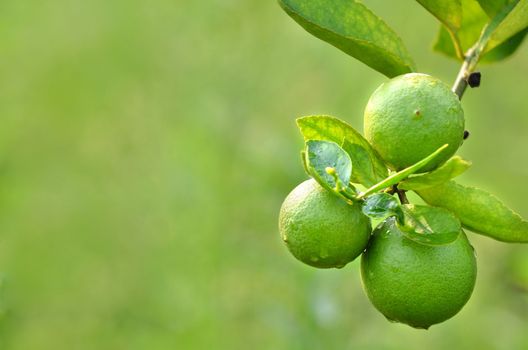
146,147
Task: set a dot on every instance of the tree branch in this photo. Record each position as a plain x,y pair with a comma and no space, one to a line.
469,65
401,194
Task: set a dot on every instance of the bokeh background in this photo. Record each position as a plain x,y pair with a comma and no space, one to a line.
146,147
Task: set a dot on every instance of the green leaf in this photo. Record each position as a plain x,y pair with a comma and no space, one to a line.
498,38
509,21
449,170
479,211
429,225
363,171
492,7
505,49
444,44
353,28
321,155
403,174
305,165
368,168
381,206
449,12
473,21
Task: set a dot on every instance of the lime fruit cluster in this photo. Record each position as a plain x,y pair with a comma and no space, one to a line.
320,229
411,116
408,281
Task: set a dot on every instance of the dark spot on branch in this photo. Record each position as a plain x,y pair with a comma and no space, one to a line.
474,79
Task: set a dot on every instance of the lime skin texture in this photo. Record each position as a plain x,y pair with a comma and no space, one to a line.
417,284
320,228
411,116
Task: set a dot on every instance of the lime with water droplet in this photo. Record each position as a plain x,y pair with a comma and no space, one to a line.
322,230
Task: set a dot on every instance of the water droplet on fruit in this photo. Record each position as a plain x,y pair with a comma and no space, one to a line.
314,259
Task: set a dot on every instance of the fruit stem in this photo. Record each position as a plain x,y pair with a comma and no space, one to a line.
345,193
401,195
402,174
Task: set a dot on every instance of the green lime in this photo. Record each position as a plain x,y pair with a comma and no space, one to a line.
411,116
417,284
321,229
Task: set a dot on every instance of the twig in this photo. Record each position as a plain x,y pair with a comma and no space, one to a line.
466,71
401,195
